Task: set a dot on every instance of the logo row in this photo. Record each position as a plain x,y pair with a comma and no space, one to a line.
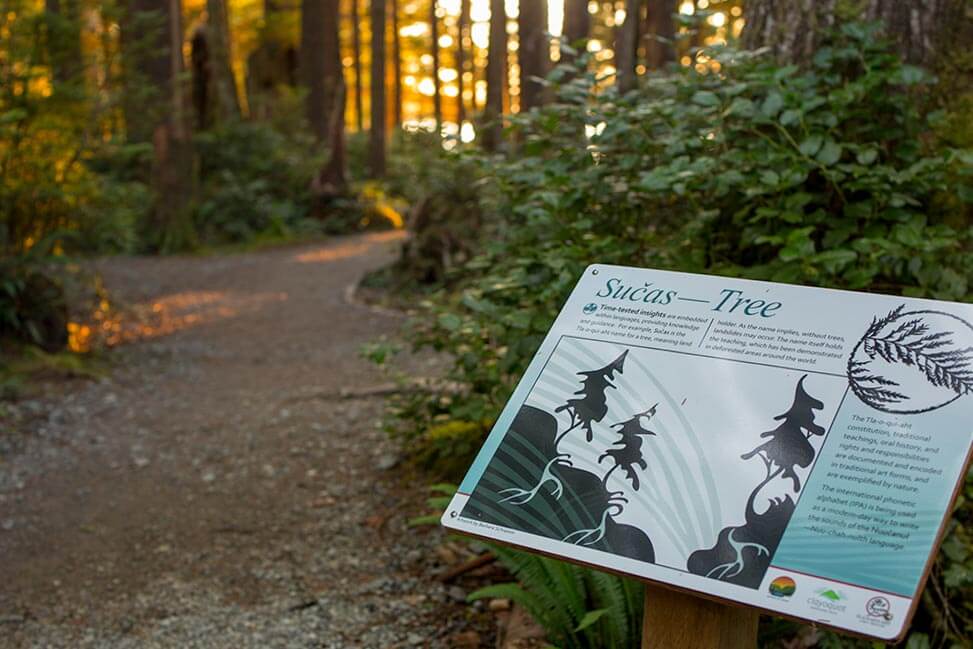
832,600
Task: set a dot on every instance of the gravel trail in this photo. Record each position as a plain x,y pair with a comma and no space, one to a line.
227,485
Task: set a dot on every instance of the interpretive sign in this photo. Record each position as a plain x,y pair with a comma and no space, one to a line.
793,449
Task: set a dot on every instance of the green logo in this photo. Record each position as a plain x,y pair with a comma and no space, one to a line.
831,594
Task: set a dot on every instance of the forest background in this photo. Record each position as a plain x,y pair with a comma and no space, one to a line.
825,143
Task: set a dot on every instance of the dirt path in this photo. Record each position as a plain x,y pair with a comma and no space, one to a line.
225,487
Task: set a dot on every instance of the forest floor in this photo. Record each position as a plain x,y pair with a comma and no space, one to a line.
227,483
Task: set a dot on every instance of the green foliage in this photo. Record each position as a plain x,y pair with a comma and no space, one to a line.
578,608
828,175
254,181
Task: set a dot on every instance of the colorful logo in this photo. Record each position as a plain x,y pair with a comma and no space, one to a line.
782,587
590,308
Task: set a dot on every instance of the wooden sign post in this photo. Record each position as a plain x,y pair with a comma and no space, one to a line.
675,620
789,449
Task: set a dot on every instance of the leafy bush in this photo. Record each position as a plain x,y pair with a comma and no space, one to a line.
826,175
253,180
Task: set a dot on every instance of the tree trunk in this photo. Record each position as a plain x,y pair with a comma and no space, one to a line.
577,21
223,83
437,97
64,40
660,34
628,39
397,64
533,51
330,180
376,136
495,76
173,175
274,63
356,46
920,29
464,20
311,65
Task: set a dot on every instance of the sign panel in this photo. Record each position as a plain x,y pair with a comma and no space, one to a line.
793,449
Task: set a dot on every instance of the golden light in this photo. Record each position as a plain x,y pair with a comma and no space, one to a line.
445,40
594,45
593,7
686,60
480,11
480,33
512,8
687,8
736,11
717,19
414,30
450,91
409,80
555,17
426,59
448,74
449,7
702,4
619,16
427,87
467,133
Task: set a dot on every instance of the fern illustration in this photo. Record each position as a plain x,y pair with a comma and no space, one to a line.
911,343
628,453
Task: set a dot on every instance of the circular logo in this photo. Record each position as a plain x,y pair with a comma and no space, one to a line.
782,587
590,308
879,607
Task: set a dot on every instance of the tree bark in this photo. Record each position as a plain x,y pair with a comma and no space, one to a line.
173,176
533,51
464,20
145,48
376,136
495,76
311,66
437,97
577,21
660,34
397,64
628,38
356,47
793,29
227,102
331,179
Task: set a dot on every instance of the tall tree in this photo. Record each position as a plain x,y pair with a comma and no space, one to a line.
627,46
660,33
376,136
921,29
397,64
221,70
356,47
273,64
214,88
533,51
495,76
330,180
172,173
464,20
437,97
312,64
577,21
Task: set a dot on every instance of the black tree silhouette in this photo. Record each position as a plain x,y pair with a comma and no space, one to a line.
788,446
628,453
592,405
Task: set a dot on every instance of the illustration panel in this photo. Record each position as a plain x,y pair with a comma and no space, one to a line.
661,457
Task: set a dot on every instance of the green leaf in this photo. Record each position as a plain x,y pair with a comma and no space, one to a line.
811,145
772,104
706,98
867,157
450,321
590,618
789,117
829,154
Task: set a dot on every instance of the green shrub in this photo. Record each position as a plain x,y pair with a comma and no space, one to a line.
826,175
